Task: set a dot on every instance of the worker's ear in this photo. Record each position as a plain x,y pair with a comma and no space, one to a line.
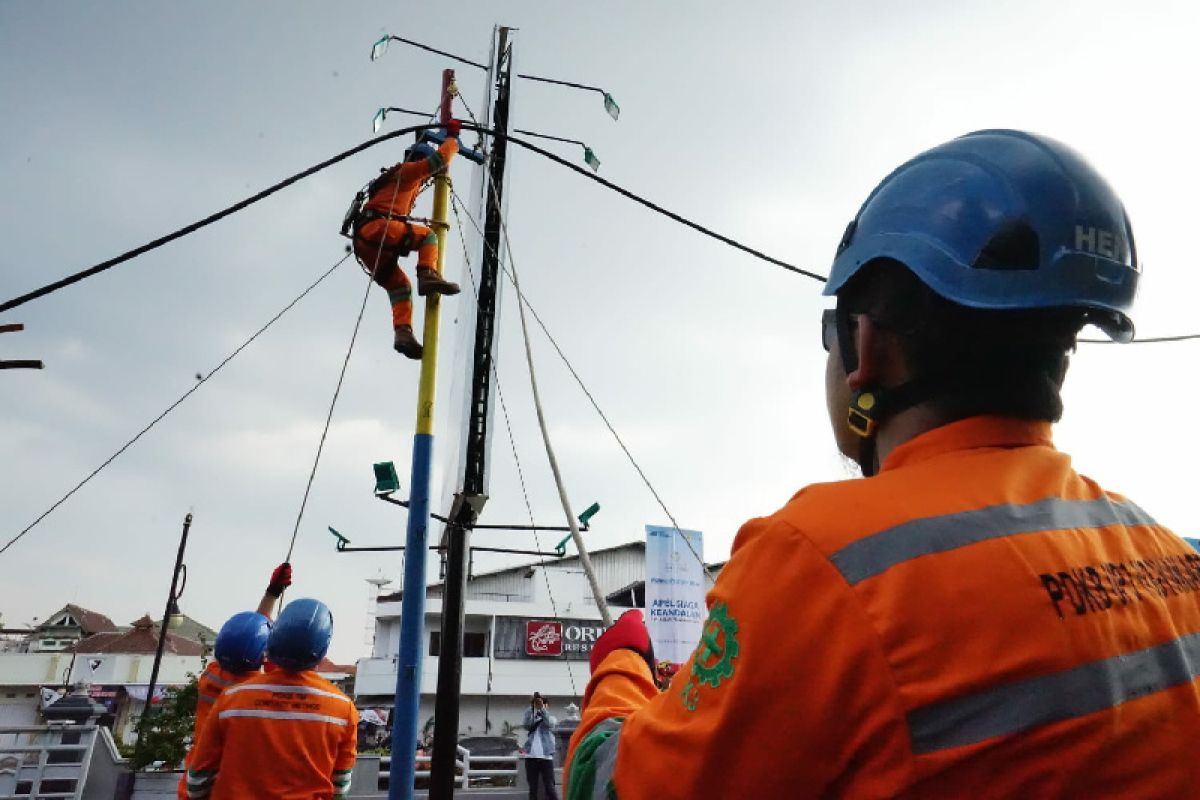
881,359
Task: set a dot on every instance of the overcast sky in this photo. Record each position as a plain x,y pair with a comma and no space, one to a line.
768,121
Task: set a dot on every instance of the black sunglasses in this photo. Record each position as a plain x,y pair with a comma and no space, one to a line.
828,328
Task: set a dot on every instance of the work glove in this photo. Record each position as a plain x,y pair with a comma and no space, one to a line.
281,579
627,633
454,127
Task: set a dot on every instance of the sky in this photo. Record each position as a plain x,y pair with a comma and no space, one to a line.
770,122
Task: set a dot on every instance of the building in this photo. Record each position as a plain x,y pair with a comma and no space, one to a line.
527,628
65,627
114,663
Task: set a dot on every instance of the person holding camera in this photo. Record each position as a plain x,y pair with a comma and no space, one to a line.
539,747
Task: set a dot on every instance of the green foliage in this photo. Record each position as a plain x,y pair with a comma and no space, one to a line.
168,728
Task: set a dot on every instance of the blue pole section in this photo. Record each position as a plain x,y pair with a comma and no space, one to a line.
407,709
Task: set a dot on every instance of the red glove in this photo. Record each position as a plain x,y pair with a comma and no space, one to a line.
281,578
627,633
454,127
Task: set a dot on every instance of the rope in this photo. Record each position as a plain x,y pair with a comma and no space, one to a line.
345,363
595,405
172,407
512,440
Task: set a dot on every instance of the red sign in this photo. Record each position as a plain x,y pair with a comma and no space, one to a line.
543,638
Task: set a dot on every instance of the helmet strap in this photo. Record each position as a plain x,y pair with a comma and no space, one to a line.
870,407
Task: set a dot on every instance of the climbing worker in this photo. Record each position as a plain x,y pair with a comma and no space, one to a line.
283,735
539,747
237,655
974,618
384,233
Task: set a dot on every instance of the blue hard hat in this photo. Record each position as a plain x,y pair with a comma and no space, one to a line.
301,635
242,641
1002,219
421,149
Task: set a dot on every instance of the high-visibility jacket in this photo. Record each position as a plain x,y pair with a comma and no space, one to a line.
397,191
212,682
978,620
277,736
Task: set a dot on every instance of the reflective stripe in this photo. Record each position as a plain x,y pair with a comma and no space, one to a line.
283,687
203,698
218,680
879,552
435,162
199,778
593,763
293,715
1072,693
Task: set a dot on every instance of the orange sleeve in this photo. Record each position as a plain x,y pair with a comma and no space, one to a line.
788,682
204,760
348,747
417,171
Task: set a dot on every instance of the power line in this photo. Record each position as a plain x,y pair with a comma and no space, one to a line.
172,407
655,207
195,226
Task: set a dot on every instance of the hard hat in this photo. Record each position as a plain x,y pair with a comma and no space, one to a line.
241,642
1002,219
421,149
301,635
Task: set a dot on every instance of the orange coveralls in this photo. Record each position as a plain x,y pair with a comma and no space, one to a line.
978,621
378,241
212,682
277,736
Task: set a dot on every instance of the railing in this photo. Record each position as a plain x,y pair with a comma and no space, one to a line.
38,762
464,772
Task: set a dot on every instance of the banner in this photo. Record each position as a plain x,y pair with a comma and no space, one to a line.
674,591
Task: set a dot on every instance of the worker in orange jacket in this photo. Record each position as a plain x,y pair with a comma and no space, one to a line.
282,735
974,618
238,655
384,233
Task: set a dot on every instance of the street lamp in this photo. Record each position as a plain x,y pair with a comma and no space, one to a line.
589,157
171,619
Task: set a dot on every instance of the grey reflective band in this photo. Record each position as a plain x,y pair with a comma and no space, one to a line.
1072,693
875,554
606,766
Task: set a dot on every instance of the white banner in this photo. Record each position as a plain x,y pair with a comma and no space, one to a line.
674,591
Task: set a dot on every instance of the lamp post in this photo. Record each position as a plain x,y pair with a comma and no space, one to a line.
170,619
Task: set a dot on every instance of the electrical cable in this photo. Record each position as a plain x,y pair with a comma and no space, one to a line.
195,226
655,207
172,407
239,206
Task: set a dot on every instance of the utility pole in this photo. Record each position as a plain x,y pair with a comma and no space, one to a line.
470,501
407,707
168,612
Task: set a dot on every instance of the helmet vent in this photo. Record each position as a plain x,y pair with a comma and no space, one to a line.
1013,247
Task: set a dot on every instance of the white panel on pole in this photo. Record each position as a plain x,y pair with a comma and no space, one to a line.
674,591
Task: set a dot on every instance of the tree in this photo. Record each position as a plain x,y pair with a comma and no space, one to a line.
168,728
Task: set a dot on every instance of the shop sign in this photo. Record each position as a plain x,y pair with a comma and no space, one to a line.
543,638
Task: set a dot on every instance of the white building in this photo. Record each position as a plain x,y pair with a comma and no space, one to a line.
527,628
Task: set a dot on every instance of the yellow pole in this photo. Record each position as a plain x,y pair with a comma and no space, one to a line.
433,307
412,612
